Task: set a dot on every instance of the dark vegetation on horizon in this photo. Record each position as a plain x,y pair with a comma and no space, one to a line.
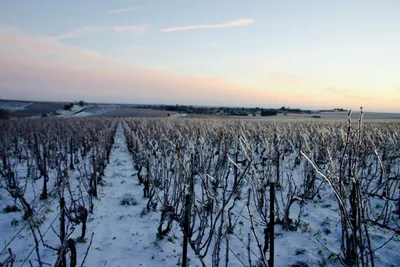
3,114
232,111
44,109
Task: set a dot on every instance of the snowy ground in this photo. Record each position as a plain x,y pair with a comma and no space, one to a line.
76,109
13,106
178,115
125,235
94,111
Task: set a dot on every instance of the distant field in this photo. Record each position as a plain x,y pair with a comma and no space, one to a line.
135,112
36,109
370,116
13,105
20,109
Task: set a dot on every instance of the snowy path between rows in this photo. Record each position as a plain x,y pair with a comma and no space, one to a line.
122,235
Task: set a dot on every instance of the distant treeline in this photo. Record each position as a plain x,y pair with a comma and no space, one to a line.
3,114
230,111
334,110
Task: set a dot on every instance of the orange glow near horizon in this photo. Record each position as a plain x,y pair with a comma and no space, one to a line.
40,69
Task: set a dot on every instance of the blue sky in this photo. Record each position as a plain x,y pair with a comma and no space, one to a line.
312,54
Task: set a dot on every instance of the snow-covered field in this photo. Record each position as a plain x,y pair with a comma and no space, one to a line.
124,236
13,106
124,228
74,111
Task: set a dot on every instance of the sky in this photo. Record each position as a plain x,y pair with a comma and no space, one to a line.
302,54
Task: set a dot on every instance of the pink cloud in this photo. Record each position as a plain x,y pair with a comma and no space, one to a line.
43,69
35,68
16,41
115,83
87,30
235,23
77,33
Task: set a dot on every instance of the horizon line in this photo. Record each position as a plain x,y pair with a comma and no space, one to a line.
197,105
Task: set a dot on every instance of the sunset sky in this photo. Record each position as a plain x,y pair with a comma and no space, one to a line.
306,54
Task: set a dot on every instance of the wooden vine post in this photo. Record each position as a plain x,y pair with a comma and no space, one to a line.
271,224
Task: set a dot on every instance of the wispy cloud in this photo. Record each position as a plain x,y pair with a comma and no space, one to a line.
32,68
87,30
229,24
195,45
115,11
77,33
18,42
181,45
132,28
